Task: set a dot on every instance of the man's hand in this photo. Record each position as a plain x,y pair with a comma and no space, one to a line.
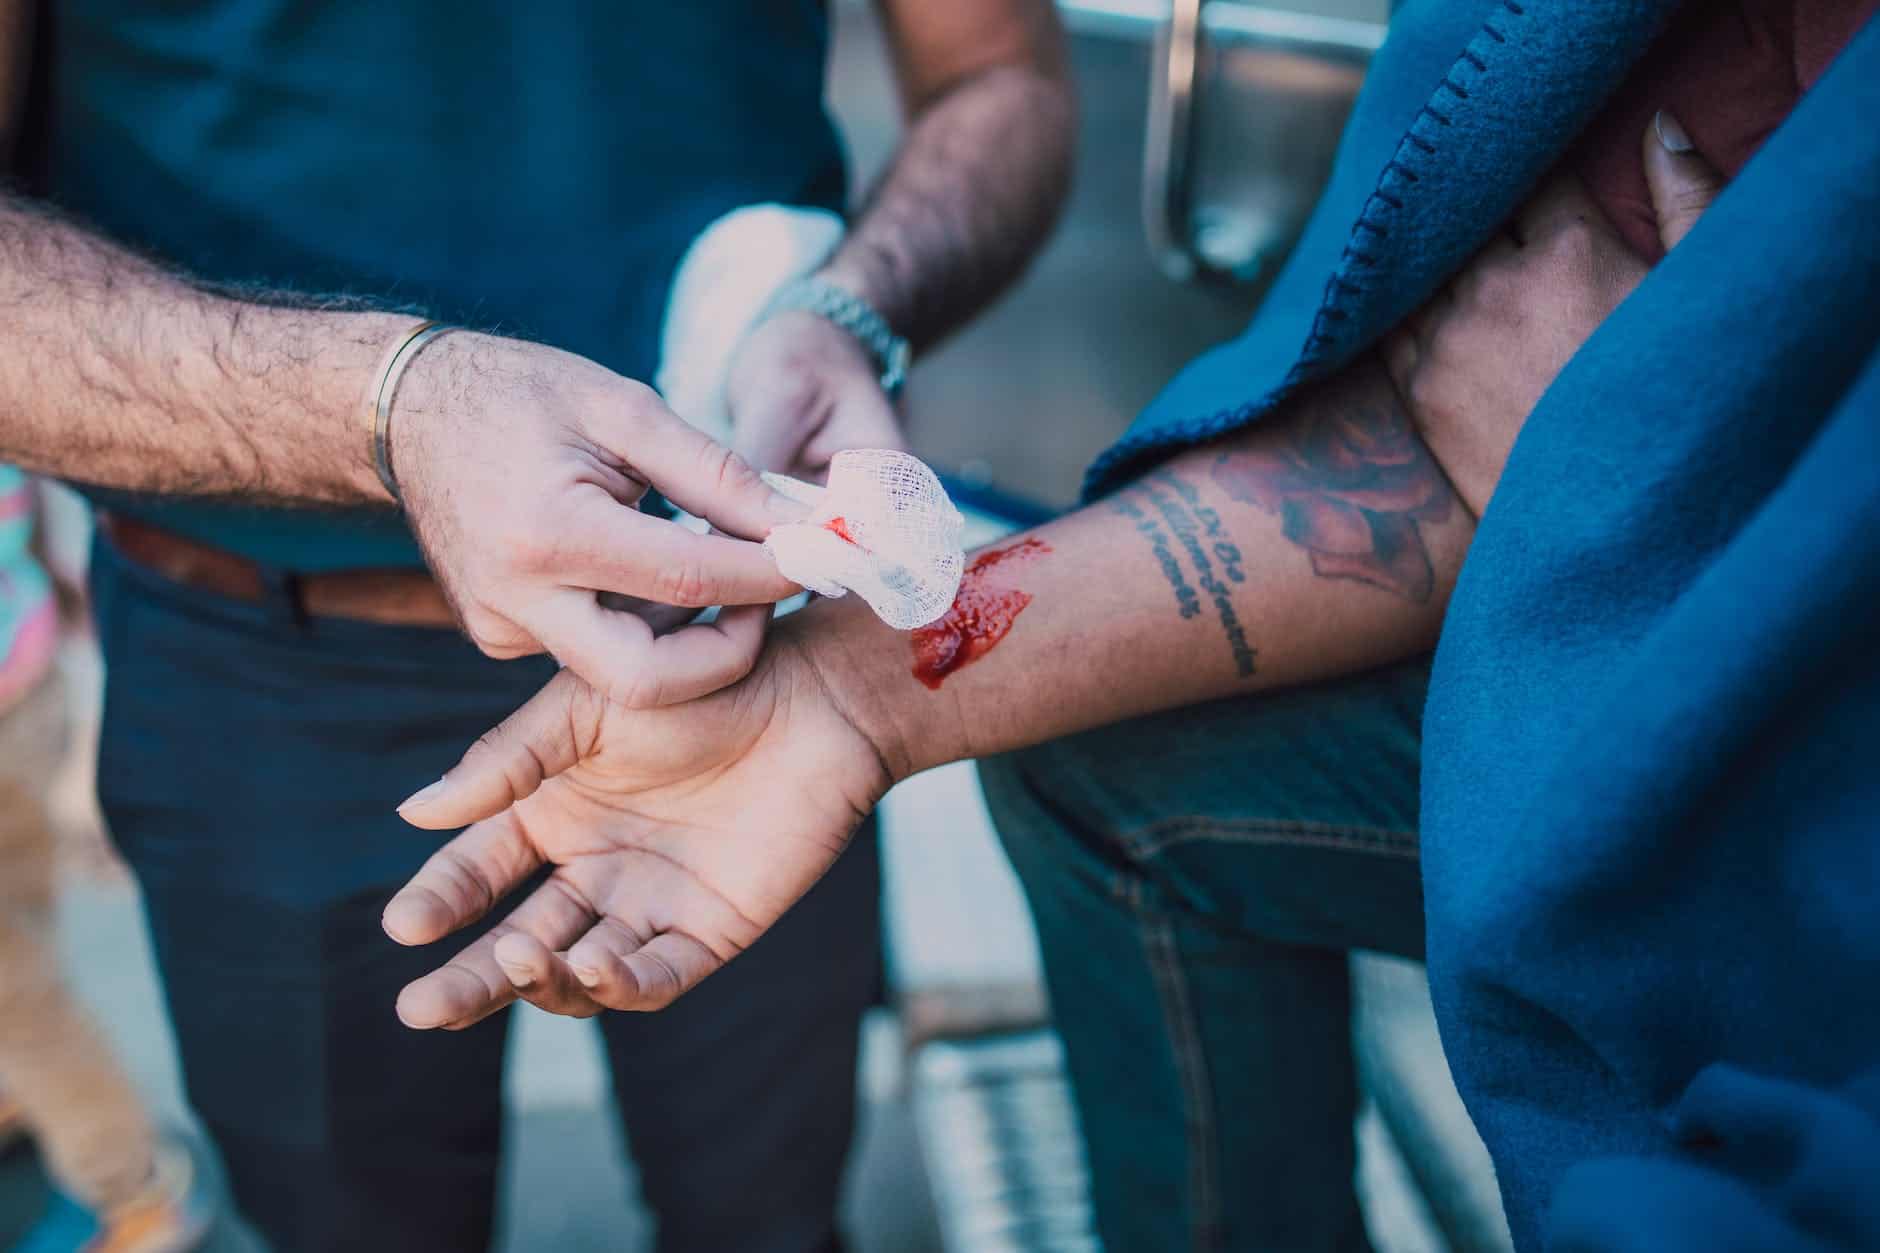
677,836
974,186
800,390
520,467
1472,363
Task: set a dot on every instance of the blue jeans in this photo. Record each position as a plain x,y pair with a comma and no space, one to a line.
1197,879
249,766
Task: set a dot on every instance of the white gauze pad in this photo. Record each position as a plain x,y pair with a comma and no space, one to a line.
883,529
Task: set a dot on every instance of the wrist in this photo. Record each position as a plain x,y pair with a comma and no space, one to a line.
428,391
383,394
790,348
840,271
848,308
865,669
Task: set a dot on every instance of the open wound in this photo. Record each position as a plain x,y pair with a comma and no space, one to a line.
982,613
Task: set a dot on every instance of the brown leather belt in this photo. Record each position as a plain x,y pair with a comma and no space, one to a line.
392,597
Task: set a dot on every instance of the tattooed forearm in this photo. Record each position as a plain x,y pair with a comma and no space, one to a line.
1191,521
1172,496
1186,599
1350,481
1223,548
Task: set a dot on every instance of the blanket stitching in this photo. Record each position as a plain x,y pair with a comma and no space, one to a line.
1320,333
1407,147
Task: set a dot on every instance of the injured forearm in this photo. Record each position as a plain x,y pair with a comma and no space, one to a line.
1320,542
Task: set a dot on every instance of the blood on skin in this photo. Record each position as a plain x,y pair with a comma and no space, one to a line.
980,617
840,527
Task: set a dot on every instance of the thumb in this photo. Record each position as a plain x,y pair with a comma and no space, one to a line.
1682,182
546,736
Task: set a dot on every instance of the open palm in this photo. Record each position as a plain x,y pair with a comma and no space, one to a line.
676,837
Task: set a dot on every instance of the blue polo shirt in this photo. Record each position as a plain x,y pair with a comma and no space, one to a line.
535,169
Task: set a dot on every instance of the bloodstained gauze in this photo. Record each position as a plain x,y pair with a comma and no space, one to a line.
839,527
981,615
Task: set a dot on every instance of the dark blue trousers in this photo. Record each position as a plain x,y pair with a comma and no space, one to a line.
249,768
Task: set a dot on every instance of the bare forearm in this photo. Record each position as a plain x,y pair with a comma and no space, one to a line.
122,374
1320,543
980,176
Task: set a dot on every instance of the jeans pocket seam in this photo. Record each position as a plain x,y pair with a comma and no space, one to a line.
1157,933
1147,842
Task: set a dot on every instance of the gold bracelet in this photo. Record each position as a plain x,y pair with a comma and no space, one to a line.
381,412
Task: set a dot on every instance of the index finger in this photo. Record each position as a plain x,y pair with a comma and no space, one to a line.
461,882
473,985
702,476
610,549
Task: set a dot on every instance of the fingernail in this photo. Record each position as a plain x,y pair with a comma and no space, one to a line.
519,976
588,977
1671,136
408,919
406,1016
429,792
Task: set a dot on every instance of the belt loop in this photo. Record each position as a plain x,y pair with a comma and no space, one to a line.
281,595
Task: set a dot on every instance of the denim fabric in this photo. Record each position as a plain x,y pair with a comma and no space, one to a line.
249,768
1197,878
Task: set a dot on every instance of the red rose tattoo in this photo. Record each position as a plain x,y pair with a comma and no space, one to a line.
1350,483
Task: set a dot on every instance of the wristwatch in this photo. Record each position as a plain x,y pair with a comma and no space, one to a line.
843,308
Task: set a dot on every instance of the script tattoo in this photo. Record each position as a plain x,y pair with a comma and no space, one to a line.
1350,483
1186,600
1199,535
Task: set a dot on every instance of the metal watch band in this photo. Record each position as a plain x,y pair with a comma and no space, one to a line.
843,308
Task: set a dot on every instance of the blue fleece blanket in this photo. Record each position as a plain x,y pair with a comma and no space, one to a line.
1651,813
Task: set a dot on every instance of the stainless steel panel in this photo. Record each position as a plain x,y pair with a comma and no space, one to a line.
1305,66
